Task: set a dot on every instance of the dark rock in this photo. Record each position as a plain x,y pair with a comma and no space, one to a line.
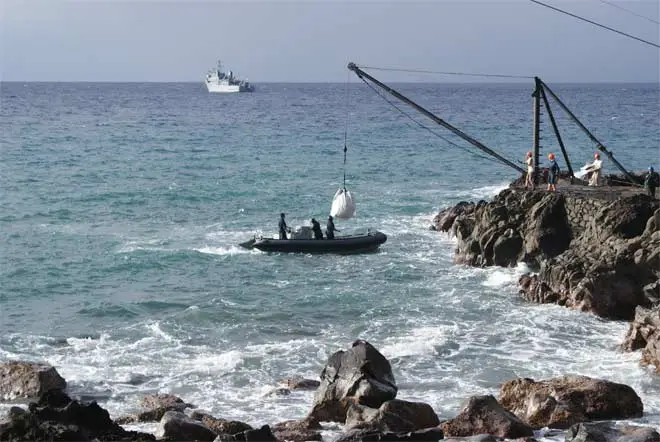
176,426
444,220
361,434
644,333
484,415
297,431
301,384
220,426
157,405
360,375
609,432
564,401
19,379
56,417
393,416
263,434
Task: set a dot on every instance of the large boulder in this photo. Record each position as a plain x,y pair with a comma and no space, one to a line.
644,333
156,406
19,379
426,435
609,432
484,415
298,431
393,416
176,426
220,426
360,375
57,417
564,401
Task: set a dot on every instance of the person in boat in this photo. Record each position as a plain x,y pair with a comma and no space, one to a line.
553,173
283,227
316,228
330,229
651,182
594,168
529,178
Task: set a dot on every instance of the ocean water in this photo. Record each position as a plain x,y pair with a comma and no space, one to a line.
123,204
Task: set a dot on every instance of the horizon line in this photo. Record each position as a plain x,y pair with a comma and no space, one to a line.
325,82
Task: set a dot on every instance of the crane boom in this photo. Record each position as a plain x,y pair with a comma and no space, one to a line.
363,75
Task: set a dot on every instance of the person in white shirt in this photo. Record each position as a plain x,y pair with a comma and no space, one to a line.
595,168
529,178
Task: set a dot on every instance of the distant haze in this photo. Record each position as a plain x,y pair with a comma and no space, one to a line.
312,41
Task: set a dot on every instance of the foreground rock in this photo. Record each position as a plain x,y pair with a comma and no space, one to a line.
56,417
218,425
298,431
593,254
176,426
360,375
156,406
484,415
426,435
19,379
567,400
394,416
644,333
608,432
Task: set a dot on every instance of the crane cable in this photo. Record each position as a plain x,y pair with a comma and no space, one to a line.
597,24
425,127
424,71
348,79
629,11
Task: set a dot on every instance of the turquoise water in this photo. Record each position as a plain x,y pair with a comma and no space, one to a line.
123,204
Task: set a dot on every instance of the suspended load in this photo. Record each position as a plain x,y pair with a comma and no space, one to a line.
343,204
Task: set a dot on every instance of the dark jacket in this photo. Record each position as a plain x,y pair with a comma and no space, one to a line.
316,228
652,180
330,229
283,228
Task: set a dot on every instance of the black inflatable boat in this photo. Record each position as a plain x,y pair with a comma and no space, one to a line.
368,242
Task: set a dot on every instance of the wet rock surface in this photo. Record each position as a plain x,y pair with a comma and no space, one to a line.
360,375
567,400
644,333
21,379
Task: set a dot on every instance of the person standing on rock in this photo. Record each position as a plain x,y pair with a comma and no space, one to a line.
529,178
651,182
553,173
595,168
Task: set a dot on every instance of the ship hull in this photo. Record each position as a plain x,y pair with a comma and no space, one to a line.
228,88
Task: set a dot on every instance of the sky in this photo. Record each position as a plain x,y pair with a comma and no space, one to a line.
313,40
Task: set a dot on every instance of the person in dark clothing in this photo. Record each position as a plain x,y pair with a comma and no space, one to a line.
651,182
316,228
553,173
283,227
330,229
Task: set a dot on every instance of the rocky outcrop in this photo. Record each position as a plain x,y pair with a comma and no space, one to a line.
592,253
394,416
484,415
515,226
644,333
567,400
608,432
19,379
56,417
613,267
156,406
360,375
298,383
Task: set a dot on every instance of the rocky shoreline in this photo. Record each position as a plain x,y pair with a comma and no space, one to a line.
356,390
592,249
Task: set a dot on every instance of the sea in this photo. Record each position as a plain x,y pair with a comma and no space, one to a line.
123,205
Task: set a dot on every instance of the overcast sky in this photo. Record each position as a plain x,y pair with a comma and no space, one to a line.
312,41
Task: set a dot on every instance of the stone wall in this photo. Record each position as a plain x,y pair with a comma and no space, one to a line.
580,210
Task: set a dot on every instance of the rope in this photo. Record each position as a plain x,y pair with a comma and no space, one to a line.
422,71
597,24
425,127
629,11
348,79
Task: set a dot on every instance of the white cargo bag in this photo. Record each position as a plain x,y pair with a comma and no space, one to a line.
343,204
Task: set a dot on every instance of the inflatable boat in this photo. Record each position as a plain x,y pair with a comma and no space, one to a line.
368,242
